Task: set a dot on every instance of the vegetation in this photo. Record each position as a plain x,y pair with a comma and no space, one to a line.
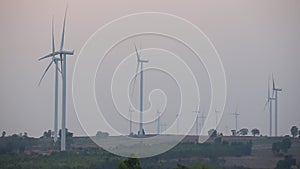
255,132
16,152
286,163
130,163
243,131
23,152
101,134
3,134
212,133
281,147
294,131
15,144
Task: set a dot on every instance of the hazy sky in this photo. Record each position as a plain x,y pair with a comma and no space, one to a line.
253,38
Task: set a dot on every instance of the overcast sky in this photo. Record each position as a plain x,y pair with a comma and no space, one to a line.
253,38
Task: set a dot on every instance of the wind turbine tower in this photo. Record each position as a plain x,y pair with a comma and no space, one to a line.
202,117
269,102
197,111
217,114
63,58
55,60
177,123
130,120
276,90
236,119
158,122
140,62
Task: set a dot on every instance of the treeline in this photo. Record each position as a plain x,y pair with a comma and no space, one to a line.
97,158
15,143
218,148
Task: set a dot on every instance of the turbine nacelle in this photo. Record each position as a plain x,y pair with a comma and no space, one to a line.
60,52
142,61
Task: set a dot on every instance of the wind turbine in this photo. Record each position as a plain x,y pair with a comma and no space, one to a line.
158,122
164,127
269,102
202,117
140,63
276,90
177,123
130,122
217,113
55,60
63,56
236,119
197,111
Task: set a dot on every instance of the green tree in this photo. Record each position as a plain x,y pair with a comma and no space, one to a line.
212,133
286,163
68,134
181,166
130,163
102,134
243,131
282,146
255,132
294,131
3,134
286,144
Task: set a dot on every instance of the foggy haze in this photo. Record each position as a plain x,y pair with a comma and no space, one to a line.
254,39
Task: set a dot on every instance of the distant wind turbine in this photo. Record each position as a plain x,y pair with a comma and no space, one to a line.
177,123
202,117
217,113
140,63
130,120
55,60
276,90
63,57
236,118
197,111
269,102
158,122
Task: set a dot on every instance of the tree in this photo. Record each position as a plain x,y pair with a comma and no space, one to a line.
212,133
47,134
286,144
243,131
282,146
3,134
294,131
286,163
255,132
234,132
68,134
102,134
130,163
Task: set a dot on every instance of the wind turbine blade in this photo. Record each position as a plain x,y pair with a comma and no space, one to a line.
53,43
140,51
137,54
63,32
49,55
45,72
273,85
266,104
